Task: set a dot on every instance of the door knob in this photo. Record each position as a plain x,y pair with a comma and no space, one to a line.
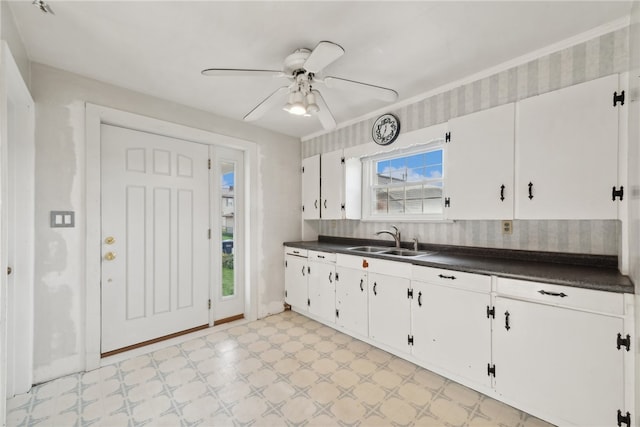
110,256
110,240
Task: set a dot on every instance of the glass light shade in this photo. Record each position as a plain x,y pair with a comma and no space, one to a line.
312,107
297,106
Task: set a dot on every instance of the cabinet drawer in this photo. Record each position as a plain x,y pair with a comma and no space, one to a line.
322,256
566,296
352,261
295,251
457,279
389,268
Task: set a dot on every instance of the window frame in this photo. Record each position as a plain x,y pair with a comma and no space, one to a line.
368,182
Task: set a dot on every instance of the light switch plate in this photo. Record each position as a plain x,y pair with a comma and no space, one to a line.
63,219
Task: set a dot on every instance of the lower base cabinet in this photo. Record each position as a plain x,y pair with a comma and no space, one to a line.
351,300
451,330
389,315
562,361
563,354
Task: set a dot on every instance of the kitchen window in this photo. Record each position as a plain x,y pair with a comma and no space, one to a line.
405,184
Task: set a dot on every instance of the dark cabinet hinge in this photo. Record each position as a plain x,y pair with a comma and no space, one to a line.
626,419
617,193
209,234
209,304
447,137
308,270
209,163
302,208
623,342
286,264
303,169
410,293
342,206
618,98
447,202
491,312
491,370
286,294
337,313
342,160
337,276
409,339
308,302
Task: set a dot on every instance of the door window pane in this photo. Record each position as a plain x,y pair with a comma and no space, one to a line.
228,225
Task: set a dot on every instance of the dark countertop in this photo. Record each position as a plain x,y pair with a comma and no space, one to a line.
598,272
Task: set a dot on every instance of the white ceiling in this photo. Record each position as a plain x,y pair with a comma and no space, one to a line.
159,48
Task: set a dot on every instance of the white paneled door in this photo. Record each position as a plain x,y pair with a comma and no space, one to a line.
155,245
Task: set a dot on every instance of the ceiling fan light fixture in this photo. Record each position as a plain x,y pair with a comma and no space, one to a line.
296,104
312,107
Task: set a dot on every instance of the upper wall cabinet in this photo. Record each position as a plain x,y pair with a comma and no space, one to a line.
311,187
479,165
567,152
331,186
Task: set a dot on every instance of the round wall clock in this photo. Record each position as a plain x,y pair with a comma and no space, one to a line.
385,129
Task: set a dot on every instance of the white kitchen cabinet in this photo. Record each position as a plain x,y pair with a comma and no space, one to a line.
451,322
322,285
567,152
479,165
389,315
311,187
295,278
351,294
554,358
331,186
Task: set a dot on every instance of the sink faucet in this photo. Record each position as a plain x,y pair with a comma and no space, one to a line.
395,233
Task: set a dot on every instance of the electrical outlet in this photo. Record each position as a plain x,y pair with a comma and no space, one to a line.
507,226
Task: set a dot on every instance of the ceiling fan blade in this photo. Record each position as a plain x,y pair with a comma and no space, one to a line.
322,55
379,92
241,72
324,114
277,97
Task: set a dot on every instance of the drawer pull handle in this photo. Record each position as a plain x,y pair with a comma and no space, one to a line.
530,191
442,276
507,326
374,288
502,187
330,277
321,256
303,270
361,288
553,294
419,299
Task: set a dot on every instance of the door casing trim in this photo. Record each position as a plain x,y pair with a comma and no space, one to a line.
95,115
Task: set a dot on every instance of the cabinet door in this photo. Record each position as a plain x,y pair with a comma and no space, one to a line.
295,282
351,300
567,148
451,330
479,165
332,185
560,361
389,315
311,187
322,290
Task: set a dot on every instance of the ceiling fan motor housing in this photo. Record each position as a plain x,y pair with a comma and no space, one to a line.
295,62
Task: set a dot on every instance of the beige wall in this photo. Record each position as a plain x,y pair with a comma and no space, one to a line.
60,185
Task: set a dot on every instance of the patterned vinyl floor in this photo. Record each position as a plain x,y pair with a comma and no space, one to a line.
282,370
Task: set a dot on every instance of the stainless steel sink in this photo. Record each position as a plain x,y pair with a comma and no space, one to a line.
369,249
406,253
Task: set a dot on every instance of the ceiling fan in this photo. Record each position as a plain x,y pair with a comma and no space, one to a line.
300,95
